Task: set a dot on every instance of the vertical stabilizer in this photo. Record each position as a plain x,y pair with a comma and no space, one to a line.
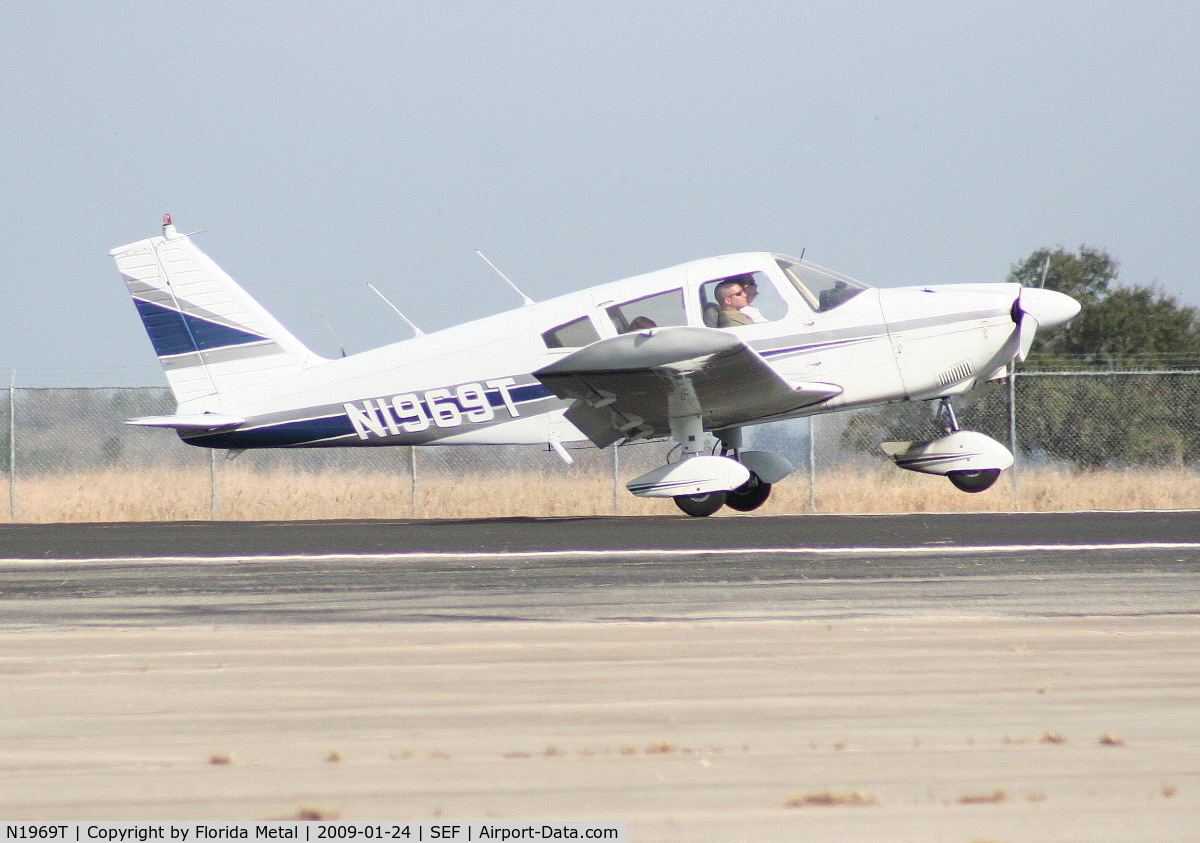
210,335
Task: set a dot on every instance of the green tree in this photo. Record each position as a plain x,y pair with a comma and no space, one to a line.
1126,420
1116,320
1086,275
1132,321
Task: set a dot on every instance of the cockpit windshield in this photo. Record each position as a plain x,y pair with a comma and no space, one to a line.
822,288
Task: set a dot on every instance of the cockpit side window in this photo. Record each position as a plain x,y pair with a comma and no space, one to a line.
822,288
656,311
574,334
763,305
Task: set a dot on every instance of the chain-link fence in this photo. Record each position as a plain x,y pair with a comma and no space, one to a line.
1082,440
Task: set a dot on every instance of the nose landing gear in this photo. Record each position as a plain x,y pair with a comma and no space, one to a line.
968,459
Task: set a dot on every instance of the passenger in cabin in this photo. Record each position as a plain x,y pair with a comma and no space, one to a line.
750,286
732,298
641,323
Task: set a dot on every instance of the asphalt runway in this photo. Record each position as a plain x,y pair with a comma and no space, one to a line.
202,539
600,569
816,678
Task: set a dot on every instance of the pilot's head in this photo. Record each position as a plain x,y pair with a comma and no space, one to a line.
730,295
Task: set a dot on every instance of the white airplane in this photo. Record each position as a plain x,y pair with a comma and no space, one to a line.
637,359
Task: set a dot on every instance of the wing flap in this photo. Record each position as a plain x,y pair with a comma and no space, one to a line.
621,385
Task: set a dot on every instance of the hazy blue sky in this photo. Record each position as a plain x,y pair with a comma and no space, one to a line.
326,145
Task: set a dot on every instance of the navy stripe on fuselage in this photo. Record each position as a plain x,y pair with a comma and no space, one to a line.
172,332
519,394
328,430
818,346
280,435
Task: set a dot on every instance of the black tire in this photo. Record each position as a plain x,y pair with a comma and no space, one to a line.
701,506
749,496
974,481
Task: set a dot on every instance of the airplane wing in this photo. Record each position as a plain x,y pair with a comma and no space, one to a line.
622,385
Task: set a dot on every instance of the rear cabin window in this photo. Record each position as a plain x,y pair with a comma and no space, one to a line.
575,334
656,311
767,304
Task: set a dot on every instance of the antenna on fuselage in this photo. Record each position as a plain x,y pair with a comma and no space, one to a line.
507,281
802,251
1045,271
336,338
417,332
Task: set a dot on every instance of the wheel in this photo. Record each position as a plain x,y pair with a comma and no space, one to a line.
749,496
699,506
974,481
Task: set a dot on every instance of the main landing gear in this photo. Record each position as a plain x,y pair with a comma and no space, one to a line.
699,482
750,495
747,497
701,506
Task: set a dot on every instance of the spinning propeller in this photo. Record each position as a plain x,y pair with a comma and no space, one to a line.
1037,307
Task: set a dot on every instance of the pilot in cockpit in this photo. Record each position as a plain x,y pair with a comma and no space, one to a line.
733,299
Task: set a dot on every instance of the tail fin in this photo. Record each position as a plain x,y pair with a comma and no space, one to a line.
210,335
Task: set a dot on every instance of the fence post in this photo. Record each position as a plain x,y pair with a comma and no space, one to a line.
12,448
616,478
213,498
1012,437
812,464
412,476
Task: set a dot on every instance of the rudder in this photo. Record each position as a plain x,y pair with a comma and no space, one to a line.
210,335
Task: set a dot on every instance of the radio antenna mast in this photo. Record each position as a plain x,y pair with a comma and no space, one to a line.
524,298
341,347
417,332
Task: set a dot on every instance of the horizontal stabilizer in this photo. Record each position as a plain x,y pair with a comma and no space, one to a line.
197,423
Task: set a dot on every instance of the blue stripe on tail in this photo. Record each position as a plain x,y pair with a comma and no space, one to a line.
172,332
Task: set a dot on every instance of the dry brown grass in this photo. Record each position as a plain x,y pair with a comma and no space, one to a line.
245,494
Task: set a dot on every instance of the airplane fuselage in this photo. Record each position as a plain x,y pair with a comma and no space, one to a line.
694,352
474,383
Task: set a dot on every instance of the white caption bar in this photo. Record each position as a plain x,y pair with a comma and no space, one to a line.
406,832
